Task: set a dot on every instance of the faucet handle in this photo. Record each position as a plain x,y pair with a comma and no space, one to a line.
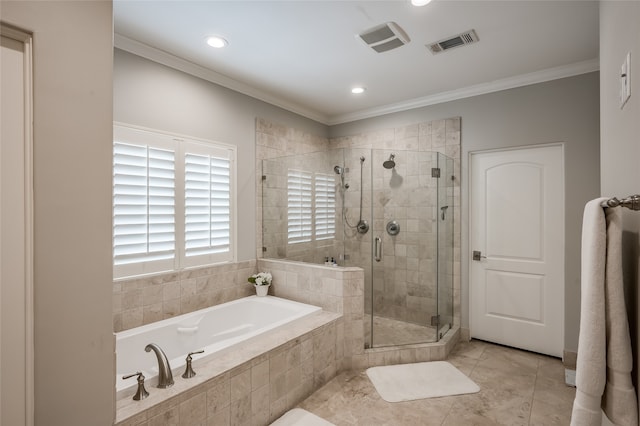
188,371
141,393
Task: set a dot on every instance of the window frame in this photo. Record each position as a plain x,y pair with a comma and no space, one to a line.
181,145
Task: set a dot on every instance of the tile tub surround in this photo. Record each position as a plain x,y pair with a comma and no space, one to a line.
334,289
258,383
213,331
252,386
140,301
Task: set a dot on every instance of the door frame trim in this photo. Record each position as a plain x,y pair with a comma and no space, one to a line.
467,255
26,39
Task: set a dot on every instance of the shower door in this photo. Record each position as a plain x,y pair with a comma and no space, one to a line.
404,241
445,225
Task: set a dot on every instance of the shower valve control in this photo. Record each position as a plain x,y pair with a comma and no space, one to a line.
393,228
477,255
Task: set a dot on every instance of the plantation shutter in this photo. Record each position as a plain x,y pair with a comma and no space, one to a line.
173,202
299,210
325,206
143,207
207,202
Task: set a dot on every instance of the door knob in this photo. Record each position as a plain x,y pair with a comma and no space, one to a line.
477,255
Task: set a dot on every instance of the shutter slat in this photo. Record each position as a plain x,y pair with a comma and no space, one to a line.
299,211
325,206
143,204
207,201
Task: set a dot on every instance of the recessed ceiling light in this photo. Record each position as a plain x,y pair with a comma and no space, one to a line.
217,42
358,90
420,2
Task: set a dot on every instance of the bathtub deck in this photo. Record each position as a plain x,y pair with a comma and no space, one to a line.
130,412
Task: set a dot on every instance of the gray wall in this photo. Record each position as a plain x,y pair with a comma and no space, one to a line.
564,110
74,374
620,135
151,95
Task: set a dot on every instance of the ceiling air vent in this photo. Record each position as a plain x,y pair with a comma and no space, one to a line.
455,41
384,37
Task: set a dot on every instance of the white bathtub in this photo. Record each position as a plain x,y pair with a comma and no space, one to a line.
216,330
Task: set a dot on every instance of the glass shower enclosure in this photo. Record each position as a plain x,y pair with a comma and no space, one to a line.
388,212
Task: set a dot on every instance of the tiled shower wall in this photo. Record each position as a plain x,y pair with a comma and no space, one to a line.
405,288
319,165
275,141
404,282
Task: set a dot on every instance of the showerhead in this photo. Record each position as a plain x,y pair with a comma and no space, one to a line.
338,170
390,163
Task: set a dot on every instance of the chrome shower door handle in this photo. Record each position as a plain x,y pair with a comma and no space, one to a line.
377,250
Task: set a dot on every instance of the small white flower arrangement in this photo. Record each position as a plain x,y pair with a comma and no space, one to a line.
261,278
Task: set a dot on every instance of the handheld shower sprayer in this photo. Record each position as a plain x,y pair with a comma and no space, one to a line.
362,226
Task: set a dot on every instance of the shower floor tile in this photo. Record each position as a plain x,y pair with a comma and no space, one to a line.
391,332
516,388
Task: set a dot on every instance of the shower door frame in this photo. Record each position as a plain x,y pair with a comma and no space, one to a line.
414,268
445,244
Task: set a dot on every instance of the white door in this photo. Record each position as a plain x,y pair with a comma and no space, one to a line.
16,307
516,283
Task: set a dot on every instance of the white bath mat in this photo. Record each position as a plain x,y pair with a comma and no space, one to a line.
406,382
300,417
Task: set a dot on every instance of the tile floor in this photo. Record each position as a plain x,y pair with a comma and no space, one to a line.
517,388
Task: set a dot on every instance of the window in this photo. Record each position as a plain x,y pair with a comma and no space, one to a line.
299,210
172,202
325,206
311,206
207,205
143,205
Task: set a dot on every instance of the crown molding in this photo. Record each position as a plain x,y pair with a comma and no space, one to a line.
172,61
470,91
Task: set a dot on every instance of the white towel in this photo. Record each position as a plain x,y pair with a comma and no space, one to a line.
604,331
591,364
619,401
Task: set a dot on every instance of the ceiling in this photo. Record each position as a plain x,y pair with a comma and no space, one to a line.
305,55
